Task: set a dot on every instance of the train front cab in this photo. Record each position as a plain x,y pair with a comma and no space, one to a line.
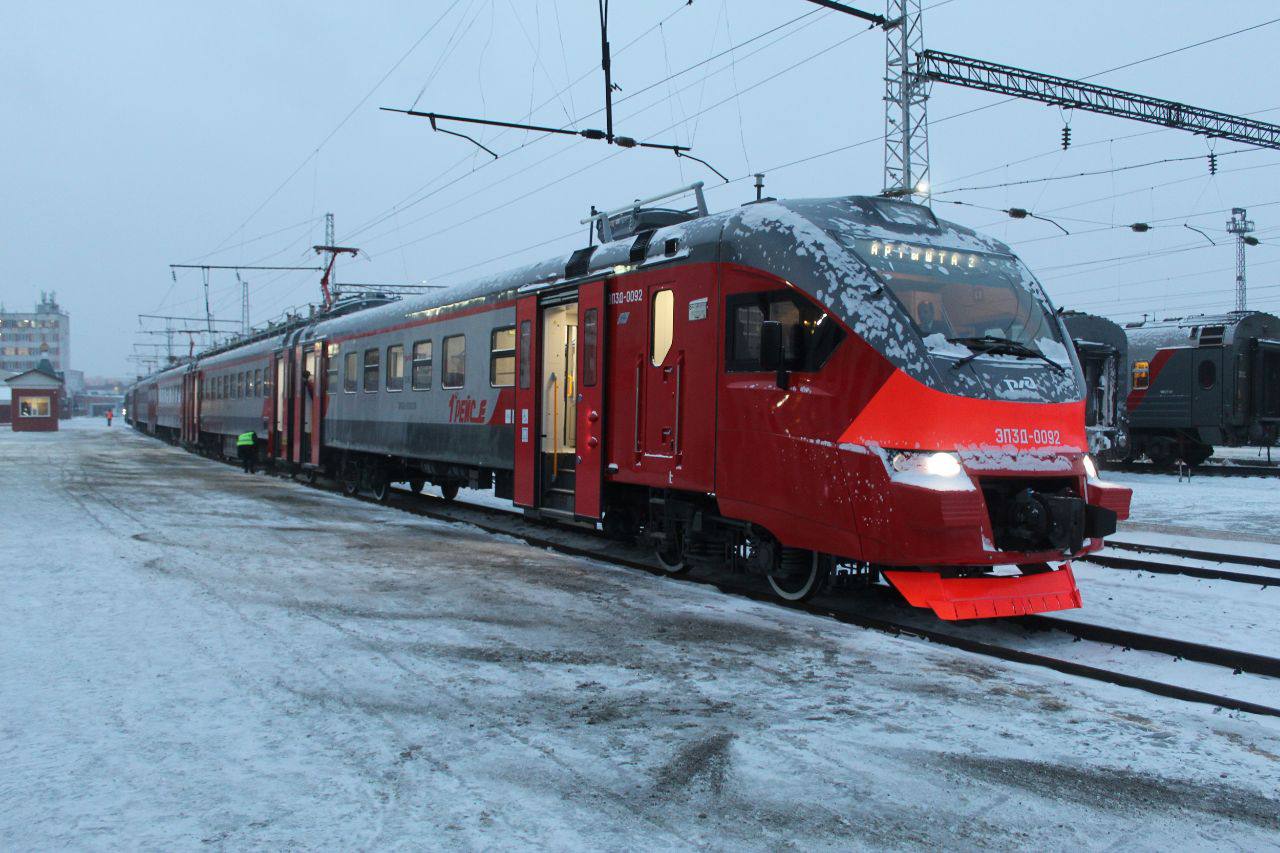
642,390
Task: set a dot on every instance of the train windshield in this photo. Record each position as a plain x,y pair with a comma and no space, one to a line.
959,296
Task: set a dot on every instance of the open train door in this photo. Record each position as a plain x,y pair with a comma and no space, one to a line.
589,475
281,395
315,369
526,415
191,408
302,360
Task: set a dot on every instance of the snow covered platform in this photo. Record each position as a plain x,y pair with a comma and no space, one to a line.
191,656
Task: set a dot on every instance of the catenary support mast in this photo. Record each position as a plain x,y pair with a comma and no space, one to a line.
1240,225
906,126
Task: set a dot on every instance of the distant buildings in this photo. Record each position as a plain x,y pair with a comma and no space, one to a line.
27,338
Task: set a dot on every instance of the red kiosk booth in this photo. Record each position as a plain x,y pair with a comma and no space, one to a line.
36,394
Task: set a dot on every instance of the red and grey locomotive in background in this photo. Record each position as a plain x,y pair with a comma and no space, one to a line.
1202,381
807,389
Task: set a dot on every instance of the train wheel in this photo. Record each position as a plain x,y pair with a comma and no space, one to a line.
350,485
670,556
449,491
380,488
415,486
800,575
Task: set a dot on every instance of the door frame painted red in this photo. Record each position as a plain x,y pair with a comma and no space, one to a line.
298,394
590,432
318,390
528,383
281,395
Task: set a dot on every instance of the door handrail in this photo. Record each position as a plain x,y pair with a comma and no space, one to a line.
675,436
639,373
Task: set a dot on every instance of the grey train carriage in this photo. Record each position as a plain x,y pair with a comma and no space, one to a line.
1203,381
1102,349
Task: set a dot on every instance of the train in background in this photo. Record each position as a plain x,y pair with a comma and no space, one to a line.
1102,349
1201,381
809,390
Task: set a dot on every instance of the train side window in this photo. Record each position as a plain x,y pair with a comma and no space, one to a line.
371,369
395,367
664,326
454,369
526,352
331,370
1208,374
243,388
590,345
1141,374
809,335
502,357
349,372
421,379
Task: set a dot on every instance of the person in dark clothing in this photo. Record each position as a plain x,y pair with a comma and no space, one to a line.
247,450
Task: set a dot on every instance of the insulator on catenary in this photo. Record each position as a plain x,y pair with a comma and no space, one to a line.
1066,137
1213,163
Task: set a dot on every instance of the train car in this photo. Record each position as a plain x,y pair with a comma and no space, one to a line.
1102,350
813,389
1201,381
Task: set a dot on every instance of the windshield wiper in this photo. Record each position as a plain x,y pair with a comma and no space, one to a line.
1004,346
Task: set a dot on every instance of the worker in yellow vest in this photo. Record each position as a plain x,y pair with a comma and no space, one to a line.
246,449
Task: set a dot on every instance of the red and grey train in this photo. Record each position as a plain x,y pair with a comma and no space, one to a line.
813,390
1203,381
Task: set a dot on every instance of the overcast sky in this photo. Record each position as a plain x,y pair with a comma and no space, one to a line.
141,134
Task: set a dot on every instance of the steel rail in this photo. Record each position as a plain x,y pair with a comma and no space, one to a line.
1205,572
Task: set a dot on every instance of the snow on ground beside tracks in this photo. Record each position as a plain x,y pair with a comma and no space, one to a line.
191,656
1204,504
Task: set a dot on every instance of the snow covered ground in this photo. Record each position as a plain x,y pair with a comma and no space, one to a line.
191,656
1240,507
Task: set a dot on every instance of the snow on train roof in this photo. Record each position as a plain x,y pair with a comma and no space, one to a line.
1178,331
808,242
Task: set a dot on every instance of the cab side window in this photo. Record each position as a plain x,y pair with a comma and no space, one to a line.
1141,374
809,334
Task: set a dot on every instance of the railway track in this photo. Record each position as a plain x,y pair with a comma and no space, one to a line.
1208,470
582,542
1115,561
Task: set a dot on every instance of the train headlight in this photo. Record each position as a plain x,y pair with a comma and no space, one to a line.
1090,468
938,464
942,465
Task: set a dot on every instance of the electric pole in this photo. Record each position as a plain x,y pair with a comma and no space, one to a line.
906,94
1240,226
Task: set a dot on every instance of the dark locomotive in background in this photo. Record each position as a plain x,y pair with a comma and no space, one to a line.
803,389
1203,381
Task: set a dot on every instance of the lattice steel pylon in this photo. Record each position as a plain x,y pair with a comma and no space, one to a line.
1240,225
906,125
